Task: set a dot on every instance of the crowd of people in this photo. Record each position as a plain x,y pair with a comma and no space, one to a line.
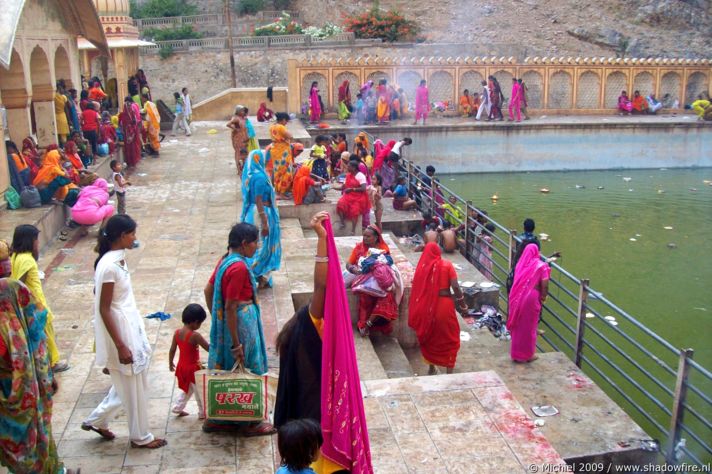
383,103
364,173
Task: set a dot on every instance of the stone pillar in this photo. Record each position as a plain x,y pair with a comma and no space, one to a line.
45,122
19,124
292,87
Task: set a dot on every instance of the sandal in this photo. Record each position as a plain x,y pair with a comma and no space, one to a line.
155,444
103,432
263,429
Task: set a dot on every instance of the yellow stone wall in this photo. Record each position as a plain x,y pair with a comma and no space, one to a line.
555,85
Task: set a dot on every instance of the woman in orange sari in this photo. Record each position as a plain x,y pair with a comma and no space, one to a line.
51,179
432,309
32,155
281,156
70,151
153,120
640,105
383,109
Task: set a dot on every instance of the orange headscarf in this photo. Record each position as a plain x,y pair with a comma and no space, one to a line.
301,184
70,150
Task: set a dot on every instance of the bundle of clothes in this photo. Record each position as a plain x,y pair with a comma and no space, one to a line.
379,275
488,316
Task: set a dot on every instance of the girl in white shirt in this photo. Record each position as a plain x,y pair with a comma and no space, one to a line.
121,343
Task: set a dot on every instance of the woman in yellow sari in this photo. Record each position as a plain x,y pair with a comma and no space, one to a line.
361,138
281,156
60,102
51,179
153,119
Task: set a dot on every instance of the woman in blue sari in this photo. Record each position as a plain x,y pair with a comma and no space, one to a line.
258,197
236,334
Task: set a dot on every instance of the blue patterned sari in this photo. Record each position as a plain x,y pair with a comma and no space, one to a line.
249,328
255,182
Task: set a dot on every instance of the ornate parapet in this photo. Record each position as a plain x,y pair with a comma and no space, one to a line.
557,85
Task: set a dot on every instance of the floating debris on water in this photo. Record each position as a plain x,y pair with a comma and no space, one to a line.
580,186
672,245
613,323
638,235
590,315
632,239
661,191
543,236
700,309
600,187
609,318
494,197
706,181
615,214
627,178
668,227
630,190
694,190
544,190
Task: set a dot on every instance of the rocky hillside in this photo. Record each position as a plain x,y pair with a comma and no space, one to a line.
635,28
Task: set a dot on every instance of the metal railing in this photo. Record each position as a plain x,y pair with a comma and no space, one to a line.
659,385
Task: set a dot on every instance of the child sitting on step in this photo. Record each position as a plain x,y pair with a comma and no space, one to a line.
188,339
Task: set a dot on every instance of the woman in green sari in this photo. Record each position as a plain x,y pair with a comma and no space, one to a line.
27,384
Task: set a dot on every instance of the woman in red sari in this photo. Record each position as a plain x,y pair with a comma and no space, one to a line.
528,293
432,309
354,200
345,94
374,313
131,127
32,156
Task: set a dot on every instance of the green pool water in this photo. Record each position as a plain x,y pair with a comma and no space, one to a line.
663,277
667,289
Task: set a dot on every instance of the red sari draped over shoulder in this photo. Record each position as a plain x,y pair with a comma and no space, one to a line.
353,204
131,128
381,156
433,316
525,303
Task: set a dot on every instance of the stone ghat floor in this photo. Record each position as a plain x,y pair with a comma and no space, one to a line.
184,203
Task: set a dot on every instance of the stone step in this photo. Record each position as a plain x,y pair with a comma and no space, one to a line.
459,423
392,357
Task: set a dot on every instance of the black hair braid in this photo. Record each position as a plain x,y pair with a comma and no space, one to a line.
117,226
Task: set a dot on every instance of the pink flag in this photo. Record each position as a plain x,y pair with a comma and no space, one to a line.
343,420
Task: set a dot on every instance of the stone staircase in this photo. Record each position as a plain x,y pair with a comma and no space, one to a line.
577,433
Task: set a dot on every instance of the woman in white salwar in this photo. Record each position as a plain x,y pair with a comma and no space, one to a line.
121,343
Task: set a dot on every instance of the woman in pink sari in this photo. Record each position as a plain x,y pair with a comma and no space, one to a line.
314,103
528,293
130,122
422,102
318,375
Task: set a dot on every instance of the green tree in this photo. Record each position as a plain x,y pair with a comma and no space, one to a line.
161,8
250,7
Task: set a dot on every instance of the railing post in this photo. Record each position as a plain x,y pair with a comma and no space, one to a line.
678,410
512,247
466,231
409,173
581,323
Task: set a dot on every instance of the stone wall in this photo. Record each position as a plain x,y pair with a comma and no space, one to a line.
207,73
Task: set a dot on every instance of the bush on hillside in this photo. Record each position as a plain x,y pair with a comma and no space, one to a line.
388,26
171,34
161,8
250,7
284,25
